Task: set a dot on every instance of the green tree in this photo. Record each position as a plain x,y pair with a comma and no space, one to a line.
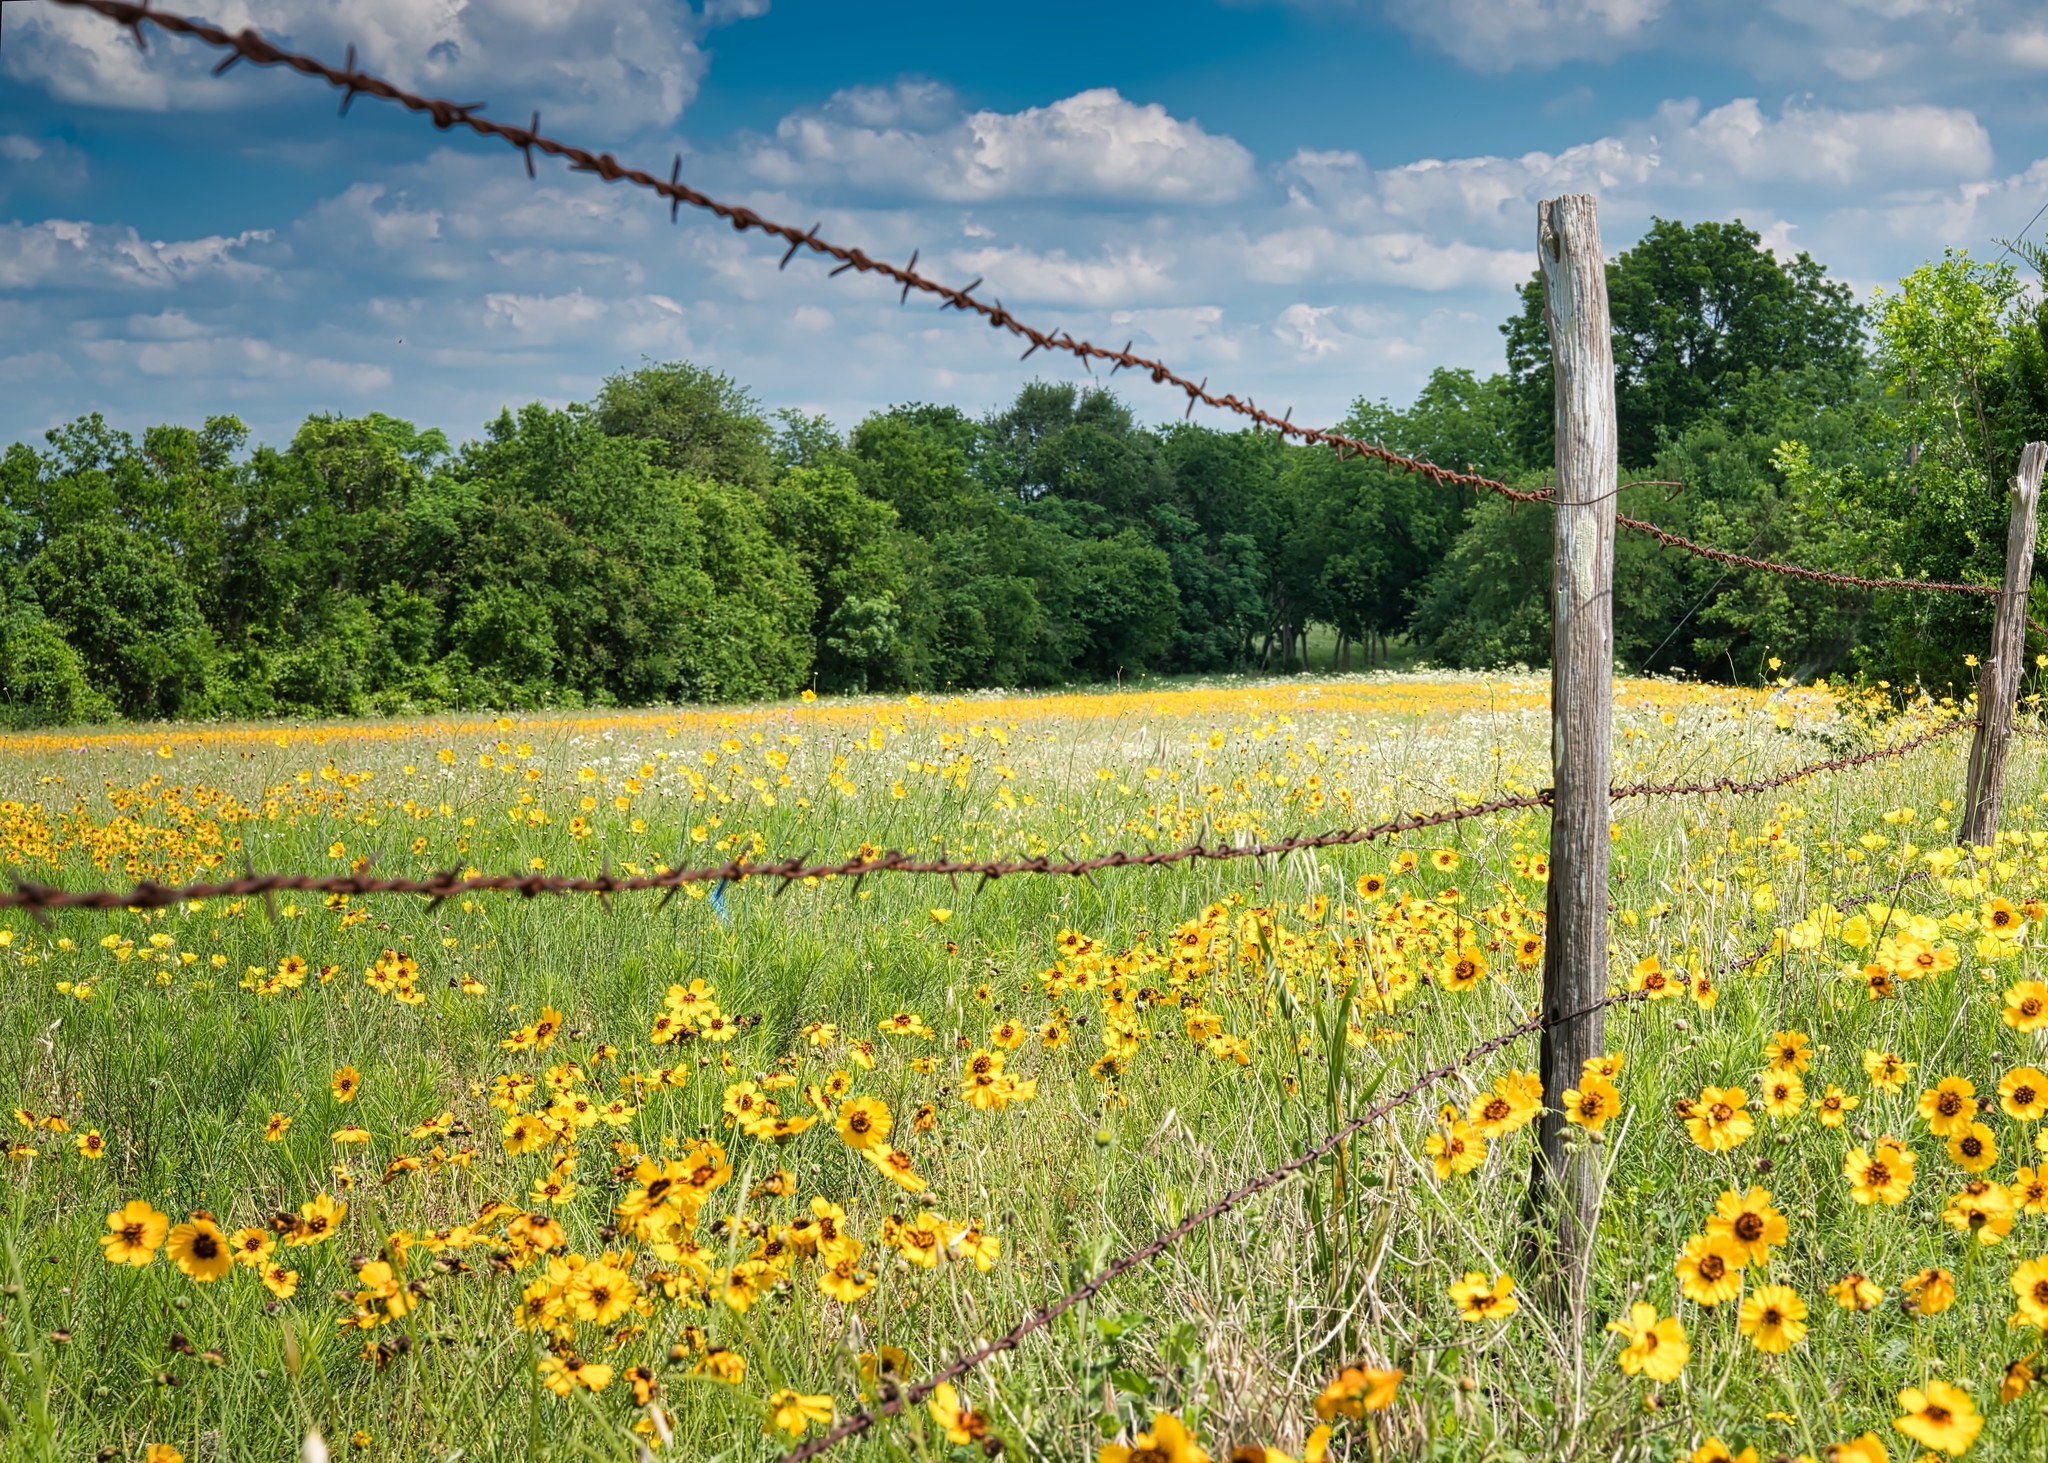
1696,311
696,422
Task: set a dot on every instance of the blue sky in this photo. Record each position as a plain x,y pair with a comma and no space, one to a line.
1304,200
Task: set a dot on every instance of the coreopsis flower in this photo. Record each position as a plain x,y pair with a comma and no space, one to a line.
1789,1051
1983,1209
1949,1106
1972,1147
2023,1093
895,1165
1480,1299
960,1422
2030,1284
318,1219
1455,1148
1774,1317
1713,1450
2029,1189
251,1246
346,1084
90,1145
1591,1104
563,1374
134,1233
793,1412
1929,1292
1857,1292
1167,1442
1882,1177
1887,1071
2026,1006
1719,1119
1508,1106
1868,1448
279,1281
199,1249
2018,1379
1649,976
1833,1107
864,1122
277,1126
1709,1269
1656,1348
1357,1390
1783,1094
1941,1416
1748,1222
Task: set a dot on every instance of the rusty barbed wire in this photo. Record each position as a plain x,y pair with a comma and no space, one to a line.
1776,566
151,895
249,45
40,898
1783,779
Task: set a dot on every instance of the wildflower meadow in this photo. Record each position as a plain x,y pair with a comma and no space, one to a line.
562,1177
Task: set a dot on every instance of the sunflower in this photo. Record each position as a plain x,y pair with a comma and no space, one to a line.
1942,1417
1709,1269
1774,1317
199,1249
1479,1299
1882,1177
134,1231
1720,1119
1656,1349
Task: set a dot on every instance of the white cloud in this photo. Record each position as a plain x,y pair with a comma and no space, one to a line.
1499,35
630,62
63,253
1890,145
1120,275
912,139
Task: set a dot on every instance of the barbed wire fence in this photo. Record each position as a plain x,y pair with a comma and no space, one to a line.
1574,994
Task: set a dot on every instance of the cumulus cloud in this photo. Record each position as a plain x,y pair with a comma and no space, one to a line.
68,254
1499,35
631,62
1810,144
914,140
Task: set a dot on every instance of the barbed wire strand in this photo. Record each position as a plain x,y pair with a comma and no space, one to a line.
249,45
40,898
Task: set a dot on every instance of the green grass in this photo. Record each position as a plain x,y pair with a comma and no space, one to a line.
1236,1330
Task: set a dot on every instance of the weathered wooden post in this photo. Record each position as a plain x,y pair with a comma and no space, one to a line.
1998,683
1565,1189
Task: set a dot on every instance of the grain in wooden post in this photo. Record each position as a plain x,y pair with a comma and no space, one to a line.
1998,683
1565,1188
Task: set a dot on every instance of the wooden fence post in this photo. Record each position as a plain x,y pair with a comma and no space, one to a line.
1998,683
1565,1187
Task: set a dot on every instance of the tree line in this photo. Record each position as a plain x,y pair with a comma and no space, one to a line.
671,540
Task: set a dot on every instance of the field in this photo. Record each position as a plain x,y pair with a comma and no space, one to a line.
542,1178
